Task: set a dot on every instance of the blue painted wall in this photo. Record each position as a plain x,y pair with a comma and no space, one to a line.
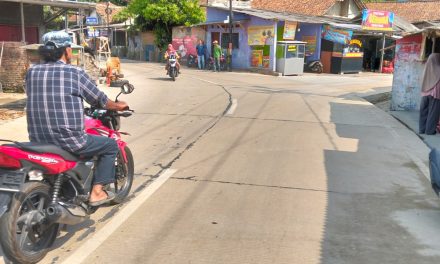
240,57
215,15
305,29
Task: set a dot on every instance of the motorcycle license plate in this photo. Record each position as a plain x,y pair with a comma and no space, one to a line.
11,181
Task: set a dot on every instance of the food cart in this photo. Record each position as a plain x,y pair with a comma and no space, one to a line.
290,57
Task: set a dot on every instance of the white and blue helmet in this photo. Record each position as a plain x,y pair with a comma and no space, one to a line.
59,39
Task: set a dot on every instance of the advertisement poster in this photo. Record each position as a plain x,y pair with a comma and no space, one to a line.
409,48
290,30
310,44
260,35
266,62
377,20
337,35
257,58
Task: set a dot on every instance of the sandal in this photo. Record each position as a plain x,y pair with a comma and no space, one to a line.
110,197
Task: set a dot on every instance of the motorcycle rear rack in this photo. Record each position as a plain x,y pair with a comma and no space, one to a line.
11,141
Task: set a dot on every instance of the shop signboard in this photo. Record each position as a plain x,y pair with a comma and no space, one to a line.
290,30
409,48
92,32
310,44
336,35
260,35
92,21
257,58
377,20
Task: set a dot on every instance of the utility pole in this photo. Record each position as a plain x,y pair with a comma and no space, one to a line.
230,36
108,11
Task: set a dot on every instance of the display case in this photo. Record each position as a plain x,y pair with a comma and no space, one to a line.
290,57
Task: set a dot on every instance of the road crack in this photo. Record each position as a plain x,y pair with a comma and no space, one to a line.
193,179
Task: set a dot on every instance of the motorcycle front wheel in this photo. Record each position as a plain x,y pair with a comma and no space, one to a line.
173,74
124,176
25,236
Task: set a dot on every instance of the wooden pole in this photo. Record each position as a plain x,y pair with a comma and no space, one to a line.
23,34
382,53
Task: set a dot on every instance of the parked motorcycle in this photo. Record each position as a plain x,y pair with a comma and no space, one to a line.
222,63
172,66
314,66
43,186
191,61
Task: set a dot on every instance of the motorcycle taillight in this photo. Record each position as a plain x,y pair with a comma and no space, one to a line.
9,162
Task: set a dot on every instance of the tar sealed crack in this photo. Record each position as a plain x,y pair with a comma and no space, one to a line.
192,178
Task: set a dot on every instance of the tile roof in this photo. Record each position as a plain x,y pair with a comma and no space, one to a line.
100,10
305,7
411,11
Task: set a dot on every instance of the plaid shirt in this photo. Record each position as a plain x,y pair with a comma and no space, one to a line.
55,110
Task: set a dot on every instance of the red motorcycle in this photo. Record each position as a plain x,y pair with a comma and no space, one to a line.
43,186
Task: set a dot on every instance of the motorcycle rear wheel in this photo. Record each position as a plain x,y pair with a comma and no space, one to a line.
124,176
27,244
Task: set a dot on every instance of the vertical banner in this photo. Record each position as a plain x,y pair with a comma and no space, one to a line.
377,20
257,58
290,30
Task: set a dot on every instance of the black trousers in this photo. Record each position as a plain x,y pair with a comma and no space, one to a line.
429,115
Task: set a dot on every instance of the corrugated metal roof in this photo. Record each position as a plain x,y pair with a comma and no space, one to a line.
57,3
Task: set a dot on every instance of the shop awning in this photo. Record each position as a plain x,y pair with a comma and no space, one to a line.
282,16
221,22
57,3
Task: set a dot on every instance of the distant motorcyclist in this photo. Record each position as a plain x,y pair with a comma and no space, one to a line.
170,50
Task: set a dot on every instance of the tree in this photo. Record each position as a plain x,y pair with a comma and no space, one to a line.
162,15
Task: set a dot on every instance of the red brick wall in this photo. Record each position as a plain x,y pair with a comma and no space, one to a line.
13,67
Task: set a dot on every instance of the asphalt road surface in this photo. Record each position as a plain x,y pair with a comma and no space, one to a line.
245,168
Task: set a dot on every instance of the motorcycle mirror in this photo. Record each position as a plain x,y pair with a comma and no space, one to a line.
127,88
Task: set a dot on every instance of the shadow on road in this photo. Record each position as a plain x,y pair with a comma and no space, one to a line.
380,207
161,78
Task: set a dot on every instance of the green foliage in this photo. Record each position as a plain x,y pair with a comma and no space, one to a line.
122,16
162,15
56,23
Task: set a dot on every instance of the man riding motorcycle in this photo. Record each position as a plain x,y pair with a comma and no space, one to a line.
55,111
170,50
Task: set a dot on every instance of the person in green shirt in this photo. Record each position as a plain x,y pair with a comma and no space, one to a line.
217,53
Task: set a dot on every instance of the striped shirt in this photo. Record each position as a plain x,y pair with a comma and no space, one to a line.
55,110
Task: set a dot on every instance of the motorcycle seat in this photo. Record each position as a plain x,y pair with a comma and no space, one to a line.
42,148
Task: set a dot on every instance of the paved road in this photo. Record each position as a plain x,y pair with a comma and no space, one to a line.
244,168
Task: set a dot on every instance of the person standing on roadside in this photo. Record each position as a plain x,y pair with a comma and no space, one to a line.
430,103
217,53
201,53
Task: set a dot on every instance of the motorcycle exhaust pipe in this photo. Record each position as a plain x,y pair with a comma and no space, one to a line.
65,214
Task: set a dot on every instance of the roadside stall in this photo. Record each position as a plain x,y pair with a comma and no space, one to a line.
339,54
290,57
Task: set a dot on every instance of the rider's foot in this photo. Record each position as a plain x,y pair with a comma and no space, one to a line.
99,196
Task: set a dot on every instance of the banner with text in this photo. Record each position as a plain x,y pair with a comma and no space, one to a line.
260,35
337,35
377,20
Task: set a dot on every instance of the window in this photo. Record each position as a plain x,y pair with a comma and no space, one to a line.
225,40
432,45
